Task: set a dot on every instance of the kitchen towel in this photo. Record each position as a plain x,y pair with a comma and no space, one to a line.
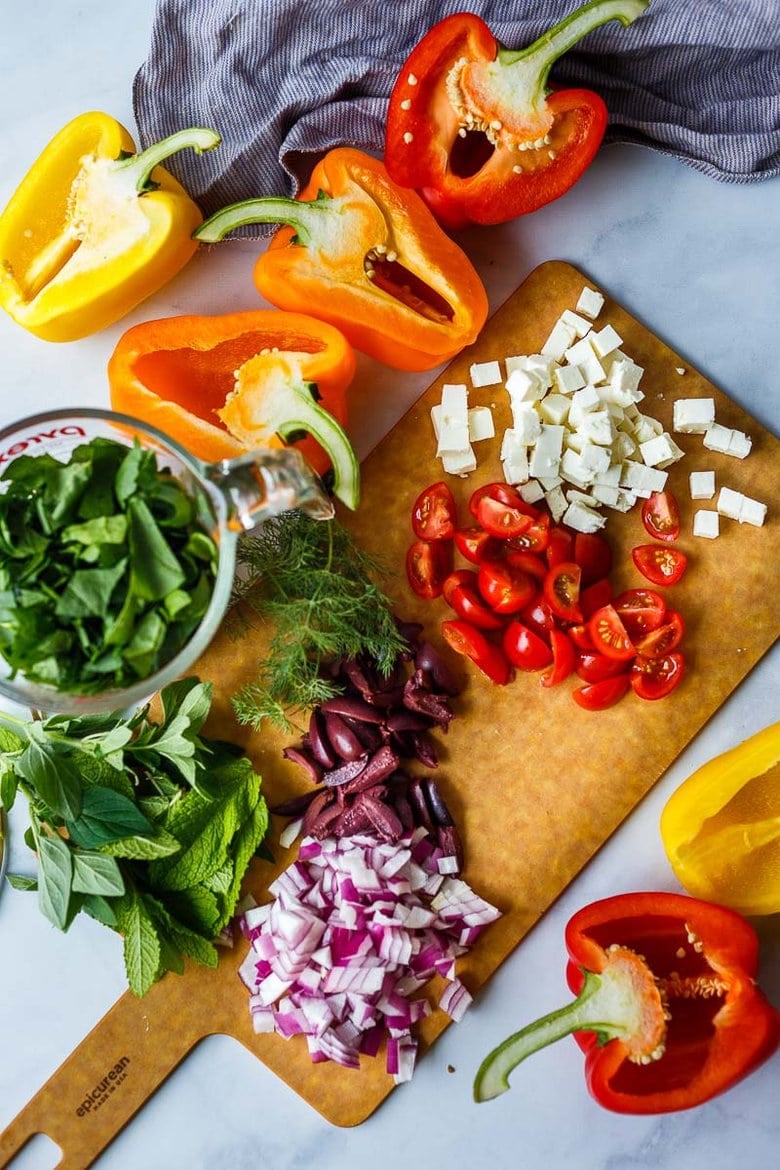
285,80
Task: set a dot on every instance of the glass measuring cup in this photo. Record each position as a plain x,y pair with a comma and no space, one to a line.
232,496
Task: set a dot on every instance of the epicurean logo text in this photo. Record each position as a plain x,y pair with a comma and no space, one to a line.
108,1085
31,440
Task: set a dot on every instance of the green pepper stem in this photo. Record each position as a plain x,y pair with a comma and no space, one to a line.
536,60
304,216
605,1006
140,166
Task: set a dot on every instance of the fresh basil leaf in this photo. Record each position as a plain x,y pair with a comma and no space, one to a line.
55,875
88,592
19,882
100,909
155,571
106,816
53,774
141,945
95,873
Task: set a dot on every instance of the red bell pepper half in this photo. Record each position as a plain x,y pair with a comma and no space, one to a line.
667,1009
474,128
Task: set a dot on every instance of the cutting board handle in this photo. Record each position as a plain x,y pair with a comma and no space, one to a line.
106,1080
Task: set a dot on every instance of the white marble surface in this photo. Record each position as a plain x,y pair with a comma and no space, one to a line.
700,264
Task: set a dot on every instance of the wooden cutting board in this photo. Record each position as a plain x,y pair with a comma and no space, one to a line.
536,784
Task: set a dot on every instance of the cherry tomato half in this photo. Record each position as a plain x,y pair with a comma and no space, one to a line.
594,556
527,561
562,591
594,596
659,564
524,648
491,660
434,513
609,634
667,637
563,659
599,695
653,678
468,604
504,493
504,588
475,544
453,580
579,634
428,563
661,516
640,610
536,538
539,617
592,667
560,547
501,519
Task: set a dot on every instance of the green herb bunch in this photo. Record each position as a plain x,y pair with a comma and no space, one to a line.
148,827
316,589
105,569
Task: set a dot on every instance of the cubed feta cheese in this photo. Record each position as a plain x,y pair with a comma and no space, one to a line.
706,523
660,451
580,325
549,482
533,363
625,501
554,408
561,337
610,477
481,425
459,462
568,379
525,386
526,423
624,446
574,470
716,438
693,416
625,374
583,519
598,427
752,512
642,480
739,444
605,494
729,503
595,459
546,454
485,374
512,445
453,420
515,469
590,303
581,402
575,496
605,341
702,484
582,354
532,491
557,503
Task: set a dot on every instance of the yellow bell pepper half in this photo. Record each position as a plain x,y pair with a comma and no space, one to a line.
94,228
721,828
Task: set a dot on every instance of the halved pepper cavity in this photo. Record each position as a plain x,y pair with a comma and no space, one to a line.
474,127
367,257
721,827
94,228
667,1009
223,385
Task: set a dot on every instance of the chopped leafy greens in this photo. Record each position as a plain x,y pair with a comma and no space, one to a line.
148,827
105,572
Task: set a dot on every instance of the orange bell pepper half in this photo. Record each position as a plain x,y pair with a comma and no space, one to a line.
208,382
368,257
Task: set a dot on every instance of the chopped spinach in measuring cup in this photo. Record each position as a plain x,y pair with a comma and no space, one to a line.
105,570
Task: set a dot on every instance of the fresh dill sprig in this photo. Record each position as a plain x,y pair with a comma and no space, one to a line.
315,587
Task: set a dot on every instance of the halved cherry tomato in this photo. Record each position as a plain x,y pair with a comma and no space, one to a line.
661,565
524,648
592,667
475,544
527,561
456,578
640,610
505,494
501,519
579,634
661,516
536,538
667,637
434,513
428,563
490,659
560,547
594,556
468,604
539,617
653,678
504,588
563,659
596,595
609,634
562,591
596,696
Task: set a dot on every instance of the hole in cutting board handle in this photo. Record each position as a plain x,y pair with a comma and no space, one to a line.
39,1153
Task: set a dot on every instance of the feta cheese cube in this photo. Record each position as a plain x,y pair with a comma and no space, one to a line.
574,440
693,416
585,498
579,324
561,337
717,438
583,519
533,363
525,386
752,512
532,491
515,470
481,425
641,479
625,374
557,503
624,447
595,459
605,341
512,445
549,482
568,379
610,477
598,427
526,423
453,421
485,374
590,303
554,408
546,455
625,500
574,470
581,402
739,444
605,494
459,462
582,354
729,503
706,523
660,451
702,484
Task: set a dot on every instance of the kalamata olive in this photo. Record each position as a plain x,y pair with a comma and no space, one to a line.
341,738
318,741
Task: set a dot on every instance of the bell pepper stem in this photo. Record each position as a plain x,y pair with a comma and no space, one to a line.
303,215
140,166
534,62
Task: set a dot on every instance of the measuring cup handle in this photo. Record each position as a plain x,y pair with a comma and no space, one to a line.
262,484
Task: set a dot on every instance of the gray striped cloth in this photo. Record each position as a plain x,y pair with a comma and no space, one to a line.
285,80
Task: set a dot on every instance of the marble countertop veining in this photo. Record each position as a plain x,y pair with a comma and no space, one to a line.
696,261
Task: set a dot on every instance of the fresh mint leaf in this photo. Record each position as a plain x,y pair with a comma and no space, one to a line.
197,908
19,882
106,816
189,942
53,775
190,698
158,844
154,569
141,943
95,873
243,849
99,908
55,876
